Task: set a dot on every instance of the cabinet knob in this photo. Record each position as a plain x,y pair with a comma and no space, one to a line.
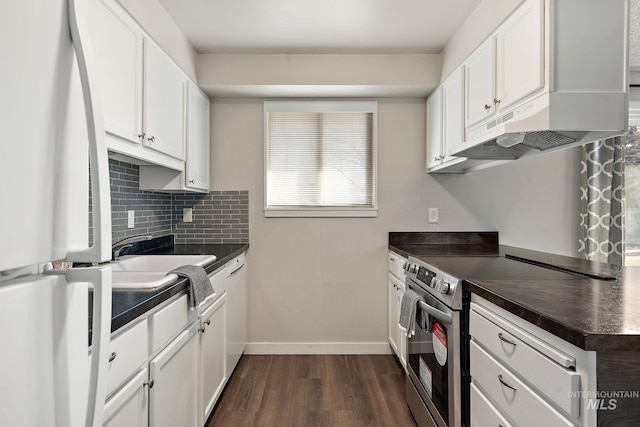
487,107
496,101
148,383
207,322
112,357
141,135
436,158
151,138
192,181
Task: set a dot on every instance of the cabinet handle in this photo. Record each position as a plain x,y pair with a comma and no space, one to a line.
151,138
496,101
513,343
148,383
202,329
141,135
487,107
207,322
112,357
505,384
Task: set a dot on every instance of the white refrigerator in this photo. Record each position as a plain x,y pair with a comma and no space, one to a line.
51,129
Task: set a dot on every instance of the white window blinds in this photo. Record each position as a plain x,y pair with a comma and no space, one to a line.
320,159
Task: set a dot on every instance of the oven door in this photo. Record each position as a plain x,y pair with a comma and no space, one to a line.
433,361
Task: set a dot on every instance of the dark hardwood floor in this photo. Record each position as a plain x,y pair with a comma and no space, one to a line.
314,390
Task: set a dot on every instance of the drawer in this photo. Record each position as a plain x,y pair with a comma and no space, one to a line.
512,396
167,323
396,263
483,413
559,384
128,352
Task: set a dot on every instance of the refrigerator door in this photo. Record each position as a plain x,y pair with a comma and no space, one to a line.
44,363
48,124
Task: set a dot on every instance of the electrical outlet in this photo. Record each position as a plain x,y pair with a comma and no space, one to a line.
433,215
187,214
131,219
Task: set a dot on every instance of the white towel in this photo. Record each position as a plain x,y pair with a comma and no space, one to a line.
408,307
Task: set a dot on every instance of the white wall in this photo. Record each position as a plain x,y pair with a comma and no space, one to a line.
324,280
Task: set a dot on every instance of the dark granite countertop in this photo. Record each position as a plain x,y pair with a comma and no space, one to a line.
128,305
595,307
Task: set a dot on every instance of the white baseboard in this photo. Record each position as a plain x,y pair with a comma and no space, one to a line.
317,348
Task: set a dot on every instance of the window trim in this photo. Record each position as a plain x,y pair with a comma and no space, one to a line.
368,106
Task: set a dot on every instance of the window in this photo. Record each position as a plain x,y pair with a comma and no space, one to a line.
320,158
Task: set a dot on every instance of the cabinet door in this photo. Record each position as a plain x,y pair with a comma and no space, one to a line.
434,128
213,375
453,113
174,372
197,166
520,64
163,102
129,406
117,45
402,338
479,73
394,314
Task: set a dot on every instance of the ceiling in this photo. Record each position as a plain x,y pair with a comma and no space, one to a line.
315,26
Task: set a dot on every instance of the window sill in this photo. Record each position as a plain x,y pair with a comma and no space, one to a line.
322,213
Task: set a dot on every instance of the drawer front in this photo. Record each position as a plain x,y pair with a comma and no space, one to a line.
396,262
515,399
483,413
128,352
559,384
167,323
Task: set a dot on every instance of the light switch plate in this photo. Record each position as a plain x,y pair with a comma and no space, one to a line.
187,214
131,219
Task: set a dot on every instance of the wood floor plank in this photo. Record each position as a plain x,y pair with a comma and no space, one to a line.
314,390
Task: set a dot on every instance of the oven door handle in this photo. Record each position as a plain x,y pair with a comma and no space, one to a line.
443,317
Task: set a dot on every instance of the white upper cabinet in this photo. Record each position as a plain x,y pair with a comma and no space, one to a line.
197,137
434,129
141,88
163,102
479,70
117,44
195,177
445,121
520,55
453,113
508,66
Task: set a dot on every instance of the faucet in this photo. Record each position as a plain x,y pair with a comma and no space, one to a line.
128,242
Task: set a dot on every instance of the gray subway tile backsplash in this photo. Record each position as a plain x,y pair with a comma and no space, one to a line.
218,217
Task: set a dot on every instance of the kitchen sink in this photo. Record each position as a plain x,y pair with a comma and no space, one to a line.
150,271
159,263
141,279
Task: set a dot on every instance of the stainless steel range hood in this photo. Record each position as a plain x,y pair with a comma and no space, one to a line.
549,122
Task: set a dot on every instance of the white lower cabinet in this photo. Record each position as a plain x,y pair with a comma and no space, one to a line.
523,375
129,406
396,287
213,372
173,396
169,368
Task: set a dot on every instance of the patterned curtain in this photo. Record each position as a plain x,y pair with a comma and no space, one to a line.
602,216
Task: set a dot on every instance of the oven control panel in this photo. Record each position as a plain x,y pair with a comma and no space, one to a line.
433,280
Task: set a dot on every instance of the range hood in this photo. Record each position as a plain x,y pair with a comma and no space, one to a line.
548,122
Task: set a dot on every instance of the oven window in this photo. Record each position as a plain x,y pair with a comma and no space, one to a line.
426,363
